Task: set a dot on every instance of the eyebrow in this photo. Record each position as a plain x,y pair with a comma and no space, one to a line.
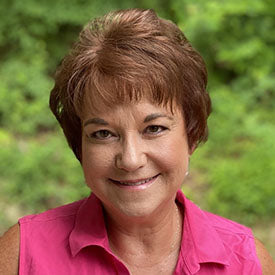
155,116
100,121
97,121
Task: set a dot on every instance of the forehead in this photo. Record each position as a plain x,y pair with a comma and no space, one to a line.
95,105
104,92
141,111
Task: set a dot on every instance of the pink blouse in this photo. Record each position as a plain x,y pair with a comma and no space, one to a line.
72,239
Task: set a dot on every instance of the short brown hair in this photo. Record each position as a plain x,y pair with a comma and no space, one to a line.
124,56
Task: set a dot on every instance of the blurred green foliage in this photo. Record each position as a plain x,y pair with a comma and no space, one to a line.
237,41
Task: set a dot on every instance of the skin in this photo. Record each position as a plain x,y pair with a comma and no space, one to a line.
142,141
267,263
130,143
9,251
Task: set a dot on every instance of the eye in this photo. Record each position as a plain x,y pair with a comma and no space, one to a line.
101,134
155,129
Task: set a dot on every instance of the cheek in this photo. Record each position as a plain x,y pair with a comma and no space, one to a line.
173,156
95,160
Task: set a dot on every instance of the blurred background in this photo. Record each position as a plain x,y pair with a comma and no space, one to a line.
232,175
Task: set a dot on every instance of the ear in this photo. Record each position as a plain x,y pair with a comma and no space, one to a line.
192,149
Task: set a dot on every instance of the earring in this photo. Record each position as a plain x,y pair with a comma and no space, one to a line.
187,172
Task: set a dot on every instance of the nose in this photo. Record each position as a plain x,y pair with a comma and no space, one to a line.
131,155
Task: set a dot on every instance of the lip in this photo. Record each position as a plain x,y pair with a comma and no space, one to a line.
133,184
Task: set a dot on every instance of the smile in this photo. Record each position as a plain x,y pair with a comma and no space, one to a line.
134,182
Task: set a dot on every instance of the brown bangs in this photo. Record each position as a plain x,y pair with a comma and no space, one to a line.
126,56
103,90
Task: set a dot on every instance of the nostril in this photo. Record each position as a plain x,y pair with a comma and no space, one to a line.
130,162
131,155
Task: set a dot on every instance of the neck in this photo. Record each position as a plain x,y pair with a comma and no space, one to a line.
146,241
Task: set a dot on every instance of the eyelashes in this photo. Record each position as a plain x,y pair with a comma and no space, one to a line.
101,134
105,135
155,129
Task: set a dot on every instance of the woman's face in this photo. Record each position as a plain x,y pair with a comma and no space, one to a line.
134,156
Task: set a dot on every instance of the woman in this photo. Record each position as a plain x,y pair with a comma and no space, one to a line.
131,100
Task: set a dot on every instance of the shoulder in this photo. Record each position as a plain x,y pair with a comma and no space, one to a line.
9,251
227,226
51,226
58,213
268,266
233,234
242,237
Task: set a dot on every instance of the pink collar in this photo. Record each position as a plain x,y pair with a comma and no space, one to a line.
200,241
89,228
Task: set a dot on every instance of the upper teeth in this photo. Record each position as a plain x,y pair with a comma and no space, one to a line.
136,183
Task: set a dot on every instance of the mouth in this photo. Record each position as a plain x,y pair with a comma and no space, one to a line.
135,182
